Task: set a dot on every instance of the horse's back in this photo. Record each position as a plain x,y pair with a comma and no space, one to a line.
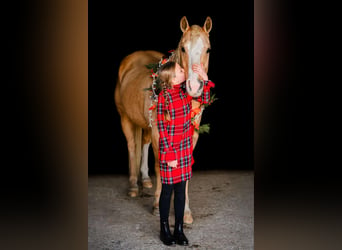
136,62
133,78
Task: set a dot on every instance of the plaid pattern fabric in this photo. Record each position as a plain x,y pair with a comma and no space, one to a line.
175,136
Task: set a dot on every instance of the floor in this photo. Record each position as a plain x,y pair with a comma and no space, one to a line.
222,205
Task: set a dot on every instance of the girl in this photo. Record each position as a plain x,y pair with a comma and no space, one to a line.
175,144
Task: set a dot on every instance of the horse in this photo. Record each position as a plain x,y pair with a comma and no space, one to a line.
133,103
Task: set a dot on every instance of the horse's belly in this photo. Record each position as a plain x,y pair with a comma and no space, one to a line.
134,102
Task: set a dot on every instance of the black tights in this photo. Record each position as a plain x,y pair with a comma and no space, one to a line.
179,201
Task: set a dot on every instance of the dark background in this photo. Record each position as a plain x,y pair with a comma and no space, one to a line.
45,124
113,34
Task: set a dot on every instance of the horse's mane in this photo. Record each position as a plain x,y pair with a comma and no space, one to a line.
175,57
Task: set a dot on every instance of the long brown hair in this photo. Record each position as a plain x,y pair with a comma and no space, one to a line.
166,74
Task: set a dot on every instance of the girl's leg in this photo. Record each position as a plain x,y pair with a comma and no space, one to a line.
164,208
164,201
179,202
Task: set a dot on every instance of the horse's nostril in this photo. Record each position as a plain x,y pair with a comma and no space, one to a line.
194,87
189,84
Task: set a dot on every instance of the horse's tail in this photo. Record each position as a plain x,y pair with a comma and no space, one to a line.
138,146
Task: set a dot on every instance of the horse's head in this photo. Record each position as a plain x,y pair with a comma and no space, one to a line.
194,48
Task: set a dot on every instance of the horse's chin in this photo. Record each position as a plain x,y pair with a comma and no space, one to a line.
194,87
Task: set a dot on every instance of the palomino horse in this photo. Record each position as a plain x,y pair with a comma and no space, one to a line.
133,103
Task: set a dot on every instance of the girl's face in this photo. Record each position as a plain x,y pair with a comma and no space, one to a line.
180,75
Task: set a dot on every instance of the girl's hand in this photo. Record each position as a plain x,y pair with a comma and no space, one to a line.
199,69
172,164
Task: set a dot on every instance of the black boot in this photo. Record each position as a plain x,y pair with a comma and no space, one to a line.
179,234
165,234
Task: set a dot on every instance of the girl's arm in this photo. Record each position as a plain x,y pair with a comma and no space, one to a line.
167,153
205,97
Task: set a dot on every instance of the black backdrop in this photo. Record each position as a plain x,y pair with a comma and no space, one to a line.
114,33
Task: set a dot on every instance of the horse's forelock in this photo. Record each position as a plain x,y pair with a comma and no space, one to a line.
195,29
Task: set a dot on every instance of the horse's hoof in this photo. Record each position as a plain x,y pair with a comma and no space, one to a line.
147,183
155,211
188,218
133,192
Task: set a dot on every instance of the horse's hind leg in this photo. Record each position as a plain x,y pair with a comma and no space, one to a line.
146,140
129,130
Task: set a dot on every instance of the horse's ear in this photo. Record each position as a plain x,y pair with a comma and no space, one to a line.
208,24
184,25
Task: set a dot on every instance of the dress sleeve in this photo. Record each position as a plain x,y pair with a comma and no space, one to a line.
167,152
205,97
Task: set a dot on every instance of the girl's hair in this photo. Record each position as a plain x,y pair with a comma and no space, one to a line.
166,74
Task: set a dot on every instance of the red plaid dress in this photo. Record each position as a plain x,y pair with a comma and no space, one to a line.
175,136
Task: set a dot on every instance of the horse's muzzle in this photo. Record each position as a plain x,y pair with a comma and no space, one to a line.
194,87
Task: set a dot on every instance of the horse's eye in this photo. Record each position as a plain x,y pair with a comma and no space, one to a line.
208,50
183,50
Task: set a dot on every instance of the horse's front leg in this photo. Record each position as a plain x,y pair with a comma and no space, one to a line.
158,189
188,219
155,146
